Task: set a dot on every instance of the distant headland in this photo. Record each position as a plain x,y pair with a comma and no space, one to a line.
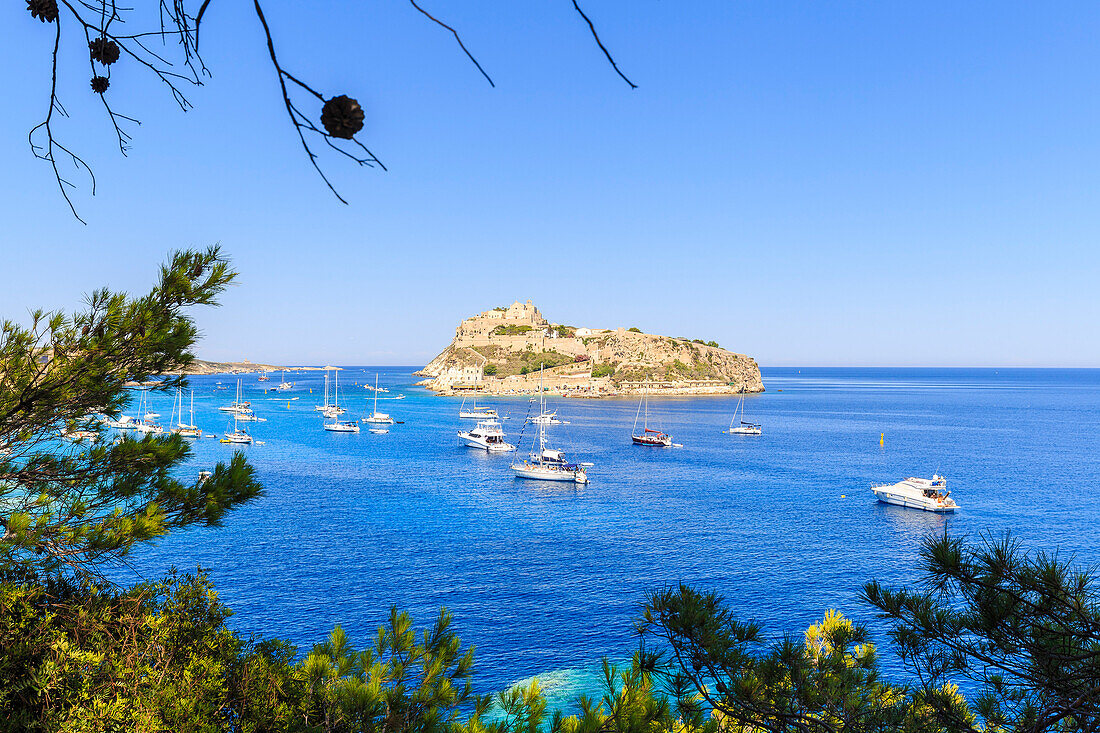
198,366
500,351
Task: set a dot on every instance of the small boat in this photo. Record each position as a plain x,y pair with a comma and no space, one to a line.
263,377
475,413
180,428
376,417
146,424
238,435
236,407
152,415
379,431
742,427
648,436
487,435
931,495
337,426
78,436
283,385
124,422
549,464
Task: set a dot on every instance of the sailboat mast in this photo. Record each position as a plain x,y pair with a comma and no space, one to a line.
376,393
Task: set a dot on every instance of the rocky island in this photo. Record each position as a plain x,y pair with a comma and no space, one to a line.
500,352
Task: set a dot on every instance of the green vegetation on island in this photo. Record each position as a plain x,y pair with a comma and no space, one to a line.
1018,631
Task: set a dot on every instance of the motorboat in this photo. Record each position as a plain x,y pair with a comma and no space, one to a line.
236,407
931,495
379,431
124,422
487,435
649,436
283,385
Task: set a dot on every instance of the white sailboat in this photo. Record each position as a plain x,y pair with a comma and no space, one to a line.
329,410
742,427
545,416
549,464
376,417
338,426
238,435
178,426
487,435
648,436
476,413
146,424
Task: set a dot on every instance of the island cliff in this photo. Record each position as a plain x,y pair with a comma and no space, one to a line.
500,352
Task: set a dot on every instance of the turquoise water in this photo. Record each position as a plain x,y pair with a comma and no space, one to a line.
546,578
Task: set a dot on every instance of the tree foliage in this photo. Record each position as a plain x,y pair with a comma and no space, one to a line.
1023,630
80,504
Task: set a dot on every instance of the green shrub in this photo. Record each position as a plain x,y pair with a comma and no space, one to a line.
489,370
714,344
603,370
634,329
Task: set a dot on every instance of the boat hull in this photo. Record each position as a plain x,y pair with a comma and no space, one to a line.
909,502
539,473
472,441
664,441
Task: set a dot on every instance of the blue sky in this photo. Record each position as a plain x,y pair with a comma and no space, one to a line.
811,183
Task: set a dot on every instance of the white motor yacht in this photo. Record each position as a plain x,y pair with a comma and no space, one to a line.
487,435
931,495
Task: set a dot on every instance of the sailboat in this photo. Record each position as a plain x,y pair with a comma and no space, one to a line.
239,434
549,464
327,409
376,417
146,424
338,426
743,427
185,430
545,417
263,376
648,436
474,413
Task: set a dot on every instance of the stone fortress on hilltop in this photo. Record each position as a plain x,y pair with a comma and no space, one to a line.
500,352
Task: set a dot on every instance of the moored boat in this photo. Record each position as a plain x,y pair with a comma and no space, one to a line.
931,495
487,435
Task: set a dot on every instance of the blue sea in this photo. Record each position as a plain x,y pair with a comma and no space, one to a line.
546,579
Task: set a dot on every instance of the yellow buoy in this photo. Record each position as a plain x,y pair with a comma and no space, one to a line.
288,404
843,496
882,439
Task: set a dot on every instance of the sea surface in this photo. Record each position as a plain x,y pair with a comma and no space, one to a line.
545,579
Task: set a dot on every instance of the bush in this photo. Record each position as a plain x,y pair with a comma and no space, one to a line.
603,370
634,329
714,344
489,370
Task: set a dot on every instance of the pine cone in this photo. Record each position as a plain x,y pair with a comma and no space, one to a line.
342,117
196,270
104,50
100,84
44,10
84,331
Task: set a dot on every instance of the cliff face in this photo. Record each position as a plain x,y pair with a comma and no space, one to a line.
501,351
